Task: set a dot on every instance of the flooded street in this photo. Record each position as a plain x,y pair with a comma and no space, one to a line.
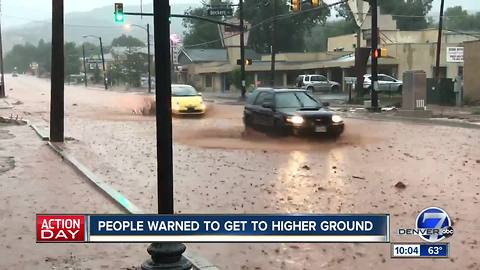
221,168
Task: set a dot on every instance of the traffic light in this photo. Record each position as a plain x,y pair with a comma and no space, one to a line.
296,5
248,62
119,14
380,52
315,3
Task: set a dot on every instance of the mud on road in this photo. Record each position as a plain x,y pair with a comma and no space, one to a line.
219,169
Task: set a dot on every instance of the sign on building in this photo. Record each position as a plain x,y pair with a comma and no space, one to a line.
454,54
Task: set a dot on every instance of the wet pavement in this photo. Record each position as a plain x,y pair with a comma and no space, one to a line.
220,168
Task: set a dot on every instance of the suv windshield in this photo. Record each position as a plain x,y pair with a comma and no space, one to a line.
295,100
183,91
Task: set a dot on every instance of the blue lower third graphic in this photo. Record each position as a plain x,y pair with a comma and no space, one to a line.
420,250
238,228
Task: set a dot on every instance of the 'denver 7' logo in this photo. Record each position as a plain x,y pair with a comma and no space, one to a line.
436,222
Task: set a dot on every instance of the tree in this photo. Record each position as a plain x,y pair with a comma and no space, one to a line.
317,38
291,27
411,14
458,19
201,32
72,59
127,41
20,57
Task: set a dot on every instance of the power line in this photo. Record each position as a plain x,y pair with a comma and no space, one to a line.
269,20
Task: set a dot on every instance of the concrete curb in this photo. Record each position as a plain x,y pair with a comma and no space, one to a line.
41,133
425,121
199,263
113,194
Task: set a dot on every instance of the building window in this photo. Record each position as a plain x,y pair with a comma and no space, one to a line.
208,80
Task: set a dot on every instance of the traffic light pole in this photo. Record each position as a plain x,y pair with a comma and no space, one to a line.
103,64
273,45
57,74
149,60
85,78
374,95
164,255
242,50
439,43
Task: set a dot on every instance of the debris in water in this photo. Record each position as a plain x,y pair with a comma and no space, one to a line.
400,185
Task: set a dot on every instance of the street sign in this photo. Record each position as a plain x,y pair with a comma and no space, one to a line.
359,10
454,54
220,11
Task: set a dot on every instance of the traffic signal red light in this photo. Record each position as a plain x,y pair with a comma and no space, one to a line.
296,5
379,53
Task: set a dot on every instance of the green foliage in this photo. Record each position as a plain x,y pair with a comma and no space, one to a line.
72,59
21,56
317,39
199,32
291,27
411,13
129,69
458,19
127,41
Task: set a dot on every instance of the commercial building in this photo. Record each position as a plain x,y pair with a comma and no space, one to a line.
471,92
210,70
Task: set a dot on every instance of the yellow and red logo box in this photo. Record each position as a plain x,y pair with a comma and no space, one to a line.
61,228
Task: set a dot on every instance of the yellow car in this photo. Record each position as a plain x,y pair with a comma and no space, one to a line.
186,100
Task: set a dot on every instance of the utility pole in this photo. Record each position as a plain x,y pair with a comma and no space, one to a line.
57,74
439,44
242,50
2,86
149,60
273,45
105,80
85,78
164,255
374,95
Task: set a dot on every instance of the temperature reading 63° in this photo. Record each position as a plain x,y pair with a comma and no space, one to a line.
434,250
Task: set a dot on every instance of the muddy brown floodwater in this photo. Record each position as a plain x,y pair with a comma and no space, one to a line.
220,169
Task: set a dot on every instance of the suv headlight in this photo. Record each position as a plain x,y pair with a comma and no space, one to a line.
296,120
337,119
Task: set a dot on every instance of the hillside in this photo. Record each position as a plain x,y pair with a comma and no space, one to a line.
95,22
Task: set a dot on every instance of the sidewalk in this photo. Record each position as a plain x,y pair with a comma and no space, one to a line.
33,180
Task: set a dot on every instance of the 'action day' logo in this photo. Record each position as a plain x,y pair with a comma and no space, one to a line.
434,224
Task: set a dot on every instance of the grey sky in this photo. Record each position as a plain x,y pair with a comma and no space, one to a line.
16,12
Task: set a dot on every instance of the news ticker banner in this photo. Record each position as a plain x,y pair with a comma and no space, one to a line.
213,228
420,250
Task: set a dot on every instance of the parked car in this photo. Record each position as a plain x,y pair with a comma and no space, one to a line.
385,83
290,111
14,74
186,100
315,83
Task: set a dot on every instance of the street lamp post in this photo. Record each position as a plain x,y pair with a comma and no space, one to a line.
103,59
85,78
148,52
